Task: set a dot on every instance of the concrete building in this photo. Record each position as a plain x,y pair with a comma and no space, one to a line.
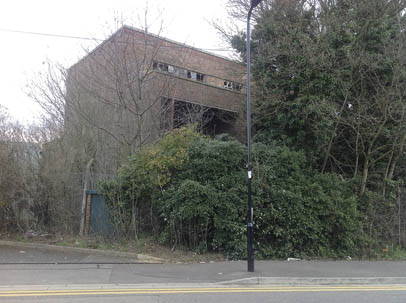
135,86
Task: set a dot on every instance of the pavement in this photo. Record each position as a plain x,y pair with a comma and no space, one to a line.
25,265
38,252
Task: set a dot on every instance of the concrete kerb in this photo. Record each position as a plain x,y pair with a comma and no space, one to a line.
110,253
308,281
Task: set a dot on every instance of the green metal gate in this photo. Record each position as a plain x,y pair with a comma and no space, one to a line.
100,223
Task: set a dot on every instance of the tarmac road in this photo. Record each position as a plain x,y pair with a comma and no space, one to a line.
334,294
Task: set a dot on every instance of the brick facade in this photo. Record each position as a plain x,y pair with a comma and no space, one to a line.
130,72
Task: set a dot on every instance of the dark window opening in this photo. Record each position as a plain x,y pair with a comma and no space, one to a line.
163,67
210,121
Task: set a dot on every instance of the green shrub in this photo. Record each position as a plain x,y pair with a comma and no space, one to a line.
209,189
299,212
191,190
131,197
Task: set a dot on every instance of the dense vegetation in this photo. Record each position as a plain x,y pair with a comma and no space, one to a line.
190,192
329,119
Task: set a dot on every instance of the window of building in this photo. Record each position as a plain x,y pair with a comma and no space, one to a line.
195,76
163,67
232,85
183,73
173,70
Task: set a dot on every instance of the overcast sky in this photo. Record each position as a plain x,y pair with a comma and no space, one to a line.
22,56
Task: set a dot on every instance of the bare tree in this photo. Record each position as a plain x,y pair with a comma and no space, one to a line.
19,158
104,107
237,11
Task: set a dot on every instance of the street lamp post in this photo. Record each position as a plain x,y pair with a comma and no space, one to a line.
250,214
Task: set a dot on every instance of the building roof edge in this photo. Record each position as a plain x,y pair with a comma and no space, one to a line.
155,36
178,43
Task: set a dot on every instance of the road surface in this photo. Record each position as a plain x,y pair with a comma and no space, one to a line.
242,294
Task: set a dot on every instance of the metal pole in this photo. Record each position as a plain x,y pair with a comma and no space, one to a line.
250,215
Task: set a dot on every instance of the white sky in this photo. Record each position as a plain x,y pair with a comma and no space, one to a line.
22,55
